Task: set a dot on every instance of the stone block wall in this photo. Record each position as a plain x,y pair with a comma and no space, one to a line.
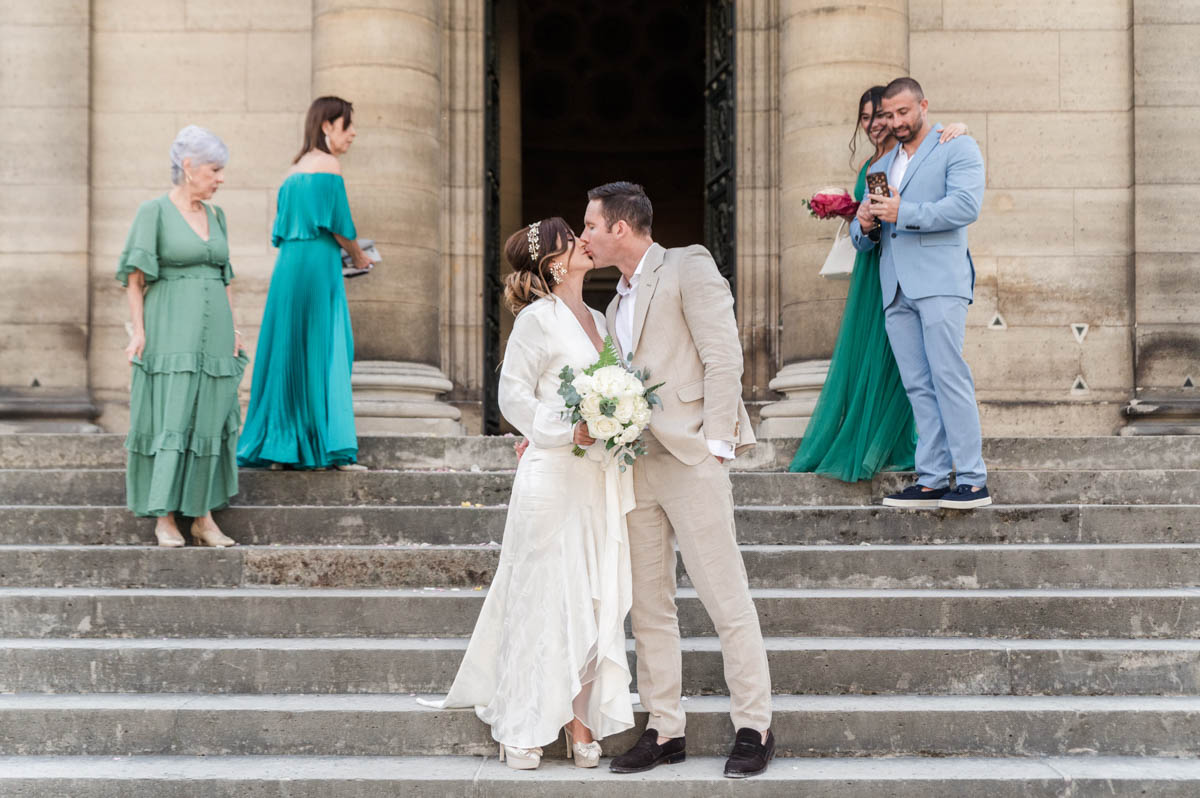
1166,115
1047,90
241,69
44,96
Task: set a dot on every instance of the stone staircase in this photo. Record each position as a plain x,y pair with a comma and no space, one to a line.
1049,646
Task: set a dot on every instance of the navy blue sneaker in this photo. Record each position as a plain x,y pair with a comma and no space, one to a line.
916,496
964,497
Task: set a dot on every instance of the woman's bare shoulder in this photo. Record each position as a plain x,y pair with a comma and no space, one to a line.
316,161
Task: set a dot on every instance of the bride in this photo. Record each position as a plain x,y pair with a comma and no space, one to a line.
548,650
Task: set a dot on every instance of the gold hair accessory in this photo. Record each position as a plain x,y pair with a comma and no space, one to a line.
558,271
534,242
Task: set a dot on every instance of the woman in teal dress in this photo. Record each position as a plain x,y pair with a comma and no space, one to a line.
301,413
187,357
863,422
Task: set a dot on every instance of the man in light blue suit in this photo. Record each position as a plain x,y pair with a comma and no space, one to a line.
928,278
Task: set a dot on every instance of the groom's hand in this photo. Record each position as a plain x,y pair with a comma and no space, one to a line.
886,209
581,435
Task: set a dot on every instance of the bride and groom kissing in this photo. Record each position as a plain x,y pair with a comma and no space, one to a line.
587,542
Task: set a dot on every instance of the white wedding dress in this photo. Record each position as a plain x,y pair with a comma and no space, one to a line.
549,643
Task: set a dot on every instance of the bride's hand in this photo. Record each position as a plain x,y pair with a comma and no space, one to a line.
519,447
581,435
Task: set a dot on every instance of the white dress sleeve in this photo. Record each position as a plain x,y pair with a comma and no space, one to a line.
526,358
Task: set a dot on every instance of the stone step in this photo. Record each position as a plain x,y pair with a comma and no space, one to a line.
992,566
383,725
496,453
809,665
452,488
451,612
794,525
479,777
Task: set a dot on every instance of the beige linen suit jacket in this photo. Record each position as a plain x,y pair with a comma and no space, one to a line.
685,334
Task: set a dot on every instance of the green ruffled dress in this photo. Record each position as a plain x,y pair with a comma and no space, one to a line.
183,401
863,422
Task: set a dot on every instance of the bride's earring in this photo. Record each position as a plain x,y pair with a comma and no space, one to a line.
328,146
558,271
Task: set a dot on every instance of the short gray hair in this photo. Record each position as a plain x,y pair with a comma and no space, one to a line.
201,146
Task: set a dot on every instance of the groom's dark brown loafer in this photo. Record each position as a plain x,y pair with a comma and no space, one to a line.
750,754
647,754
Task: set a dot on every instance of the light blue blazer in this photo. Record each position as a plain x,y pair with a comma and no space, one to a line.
925,252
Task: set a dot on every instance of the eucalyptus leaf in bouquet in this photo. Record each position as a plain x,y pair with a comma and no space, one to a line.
613,400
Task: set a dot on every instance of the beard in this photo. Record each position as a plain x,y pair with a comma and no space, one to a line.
909,133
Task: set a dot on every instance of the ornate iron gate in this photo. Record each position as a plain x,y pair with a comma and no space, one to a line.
719,139
491,224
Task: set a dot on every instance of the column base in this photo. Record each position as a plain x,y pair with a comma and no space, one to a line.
801,383
47,410
400,398
1149,416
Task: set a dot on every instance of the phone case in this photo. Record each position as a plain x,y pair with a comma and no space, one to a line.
877,183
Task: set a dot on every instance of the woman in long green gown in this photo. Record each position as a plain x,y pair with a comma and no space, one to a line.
301,412
863,422
186,356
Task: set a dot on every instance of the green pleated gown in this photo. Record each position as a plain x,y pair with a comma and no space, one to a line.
863,422
183,398
301,411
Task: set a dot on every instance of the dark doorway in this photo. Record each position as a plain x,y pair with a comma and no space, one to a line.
607,91
613,91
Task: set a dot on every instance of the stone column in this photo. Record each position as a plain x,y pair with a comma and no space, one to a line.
757,95
386,57
829,53
1166,102
44,96
462,204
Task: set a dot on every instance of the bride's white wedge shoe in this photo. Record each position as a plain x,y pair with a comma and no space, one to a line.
586,755
521,758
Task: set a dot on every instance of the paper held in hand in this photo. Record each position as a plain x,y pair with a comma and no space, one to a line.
368,248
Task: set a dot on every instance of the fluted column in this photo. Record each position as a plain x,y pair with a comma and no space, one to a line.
757,75
385,56
830,52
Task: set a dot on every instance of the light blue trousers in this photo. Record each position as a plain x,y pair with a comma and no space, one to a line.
927,339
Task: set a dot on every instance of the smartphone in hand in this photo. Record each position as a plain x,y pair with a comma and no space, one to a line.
877,184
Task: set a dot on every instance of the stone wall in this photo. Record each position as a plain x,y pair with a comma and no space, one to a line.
1166,92
1084,109
241,69
1047,90
44,96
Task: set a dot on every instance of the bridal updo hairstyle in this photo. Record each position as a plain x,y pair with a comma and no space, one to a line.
530,281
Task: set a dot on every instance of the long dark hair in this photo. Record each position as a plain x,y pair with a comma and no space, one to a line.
874,96
322,110
531,280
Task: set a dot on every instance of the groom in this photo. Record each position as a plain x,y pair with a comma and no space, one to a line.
927,277
673,315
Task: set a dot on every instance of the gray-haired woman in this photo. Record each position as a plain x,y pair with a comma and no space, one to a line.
187,357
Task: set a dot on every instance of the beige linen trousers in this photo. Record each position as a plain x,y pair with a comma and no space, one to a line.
685,334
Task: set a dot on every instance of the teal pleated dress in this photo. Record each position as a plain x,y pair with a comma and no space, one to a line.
183,399
863,422
301,412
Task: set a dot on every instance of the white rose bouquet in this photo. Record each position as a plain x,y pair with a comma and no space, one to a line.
613,401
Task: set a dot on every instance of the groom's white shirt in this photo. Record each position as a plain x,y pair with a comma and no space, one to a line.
628,292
